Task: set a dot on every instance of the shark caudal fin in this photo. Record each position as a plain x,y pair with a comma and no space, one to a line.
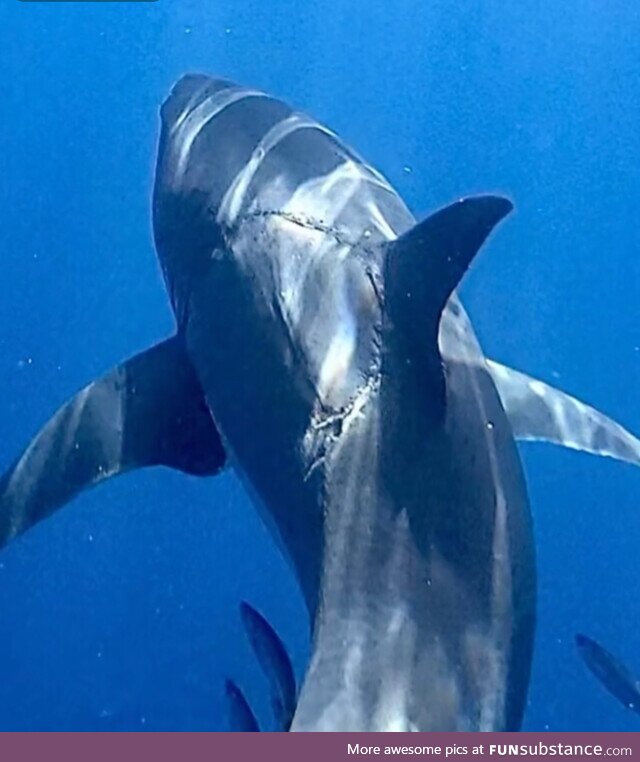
149,411
539,412
421,270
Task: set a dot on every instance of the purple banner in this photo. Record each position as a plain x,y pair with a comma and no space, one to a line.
313,747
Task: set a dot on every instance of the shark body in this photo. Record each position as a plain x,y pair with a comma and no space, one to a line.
392,482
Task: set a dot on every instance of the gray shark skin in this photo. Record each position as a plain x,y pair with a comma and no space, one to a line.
322,352
394,486
610,671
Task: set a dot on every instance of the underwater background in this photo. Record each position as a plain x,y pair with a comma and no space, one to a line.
121,612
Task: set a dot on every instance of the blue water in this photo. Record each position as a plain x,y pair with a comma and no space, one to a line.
121,611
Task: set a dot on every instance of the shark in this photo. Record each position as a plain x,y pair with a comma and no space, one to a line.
322,352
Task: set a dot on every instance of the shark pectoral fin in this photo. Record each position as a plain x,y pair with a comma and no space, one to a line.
537,411
275,663
148,411
241,716
421,270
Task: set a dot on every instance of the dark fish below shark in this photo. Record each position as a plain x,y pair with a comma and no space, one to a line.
276,666
321,351
611,672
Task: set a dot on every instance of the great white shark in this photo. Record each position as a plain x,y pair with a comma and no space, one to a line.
322,352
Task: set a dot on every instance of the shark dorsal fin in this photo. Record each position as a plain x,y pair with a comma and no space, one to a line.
421,270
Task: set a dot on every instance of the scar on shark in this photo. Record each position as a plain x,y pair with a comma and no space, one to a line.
322,352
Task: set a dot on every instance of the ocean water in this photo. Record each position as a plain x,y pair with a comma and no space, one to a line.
121,612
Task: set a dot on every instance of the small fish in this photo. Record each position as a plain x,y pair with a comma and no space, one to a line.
610,671
276,665
241,716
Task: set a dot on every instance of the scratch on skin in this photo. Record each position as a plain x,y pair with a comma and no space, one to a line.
325,428
304,222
